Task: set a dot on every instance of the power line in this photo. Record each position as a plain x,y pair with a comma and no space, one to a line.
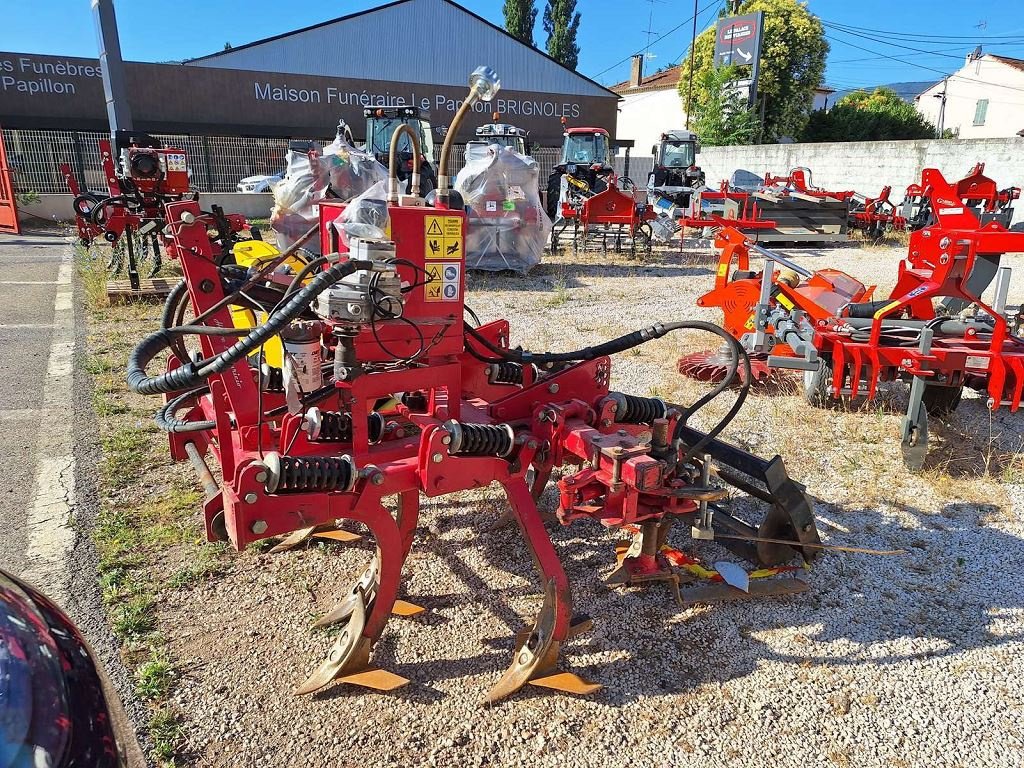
914,37
653,42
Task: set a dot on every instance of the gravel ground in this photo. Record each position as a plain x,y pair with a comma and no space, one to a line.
887,661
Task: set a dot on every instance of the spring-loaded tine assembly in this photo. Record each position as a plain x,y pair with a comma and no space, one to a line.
349,659
384,391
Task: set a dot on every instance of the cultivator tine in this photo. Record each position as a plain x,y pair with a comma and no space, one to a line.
326,531
405,608
536,656
363,593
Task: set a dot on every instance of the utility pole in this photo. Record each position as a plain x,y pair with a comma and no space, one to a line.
689,87
940,124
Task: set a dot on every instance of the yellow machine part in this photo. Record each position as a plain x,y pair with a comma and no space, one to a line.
249,253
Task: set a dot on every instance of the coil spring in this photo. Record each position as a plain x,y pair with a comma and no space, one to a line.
336,427
505,373
637,410
480,439
290,474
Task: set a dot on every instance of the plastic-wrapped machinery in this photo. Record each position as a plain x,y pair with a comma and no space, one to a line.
339,171
508,228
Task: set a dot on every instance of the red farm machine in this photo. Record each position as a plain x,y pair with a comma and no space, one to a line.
586,195
130,215
933,330
385,392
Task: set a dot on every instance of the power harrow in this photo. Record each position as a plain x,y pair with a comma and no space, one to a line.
385,392
933,330
131,214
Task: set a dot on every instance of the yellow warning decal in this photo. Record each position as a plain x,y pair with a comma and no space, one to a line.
886,308
784,301
443,237
723,270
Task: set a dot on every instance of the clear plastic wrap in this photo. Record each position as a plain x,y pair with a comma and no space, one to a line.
508,228
366,215
348,172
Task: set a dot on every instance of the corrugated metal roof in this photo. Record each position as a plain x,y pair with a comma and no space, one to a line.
449,42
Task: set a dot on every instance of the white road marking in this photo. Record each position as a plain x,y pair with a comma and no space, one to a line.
49,522
19,414
28,282
24,326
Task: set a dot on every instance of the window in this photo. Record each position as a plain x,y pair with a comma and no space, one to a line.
980,110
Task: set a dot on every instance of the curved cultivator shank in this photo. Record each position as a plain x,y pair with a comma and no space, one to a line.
363,383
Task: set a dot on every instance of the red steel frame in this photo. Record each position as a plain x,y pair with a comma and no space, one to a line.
568,417
941,259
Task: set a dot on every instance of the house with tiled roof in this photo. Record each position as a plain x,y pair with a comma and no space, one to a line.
981,100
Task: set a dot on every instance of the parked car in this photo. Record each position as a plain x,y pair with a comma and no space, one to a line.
263,183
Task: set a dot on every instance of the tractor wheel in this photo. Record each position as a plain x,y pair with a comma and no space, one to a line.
818,388
941,401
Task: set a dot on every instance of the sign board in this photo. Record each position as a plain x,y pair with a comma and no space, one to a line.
738,39
66,93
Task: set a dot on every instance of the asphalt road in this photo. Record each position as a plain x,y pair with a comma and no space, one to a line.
49,449
29,265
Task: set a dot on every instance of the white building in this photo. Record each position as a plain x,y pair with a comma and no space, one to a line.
652,105
984,99
649,106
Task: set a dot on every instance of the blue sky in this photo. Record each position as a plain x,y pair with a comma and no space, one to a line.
941,31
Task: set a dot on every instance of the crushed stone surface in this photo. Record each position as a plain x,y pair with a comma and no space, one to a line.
908,660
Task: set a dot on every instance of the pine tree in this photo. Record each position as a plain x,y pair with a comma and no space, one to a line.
561,22
520,16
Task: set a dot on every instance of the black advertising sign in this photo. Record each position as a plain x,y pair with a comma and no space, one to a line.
738,39
66,93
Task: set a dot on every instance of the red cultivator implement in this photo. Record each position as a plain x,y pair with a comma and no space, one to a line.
618,215
385,392
975,191
825,324
874,216
131,214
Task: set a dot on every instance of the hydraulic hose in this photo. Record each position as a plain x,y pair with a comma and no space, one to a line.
165,418
193,374
414,187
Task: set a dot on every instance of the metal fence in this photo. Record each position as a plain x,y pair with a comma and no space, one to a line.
216,163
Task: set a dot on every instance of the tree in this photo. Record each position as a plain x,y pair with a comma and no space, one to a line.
861,116
724,118
520,16
561,22
227,46
793,51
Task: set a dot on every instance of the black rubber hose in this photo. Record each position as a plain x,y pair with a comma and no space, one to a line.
193,374
174,298
167,421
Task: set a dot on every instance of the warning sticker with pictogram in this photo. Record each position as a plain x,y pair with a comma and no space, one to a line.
432,282
442,237
450,281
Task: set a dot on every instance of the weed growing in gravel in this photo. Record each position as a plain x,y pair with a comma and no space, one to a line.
134,619
155,677
167,734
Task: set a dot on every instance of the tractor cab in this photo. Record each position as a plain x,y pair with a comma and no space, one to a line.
381,123
503,135
583,168
676,175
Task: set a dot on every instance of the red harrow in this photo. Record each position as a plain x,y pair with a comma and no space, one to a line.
386,393
826,325
619,213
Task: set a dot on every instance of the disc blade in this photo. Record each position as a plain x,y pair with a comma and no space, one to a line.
567,682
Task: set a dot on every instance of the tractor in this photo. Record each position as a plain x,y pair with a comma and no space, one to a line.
584,166
502,134
381,123
676,175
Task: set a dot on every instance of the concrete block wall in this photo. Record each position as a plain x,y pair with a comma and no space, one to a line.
864,167
868,166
